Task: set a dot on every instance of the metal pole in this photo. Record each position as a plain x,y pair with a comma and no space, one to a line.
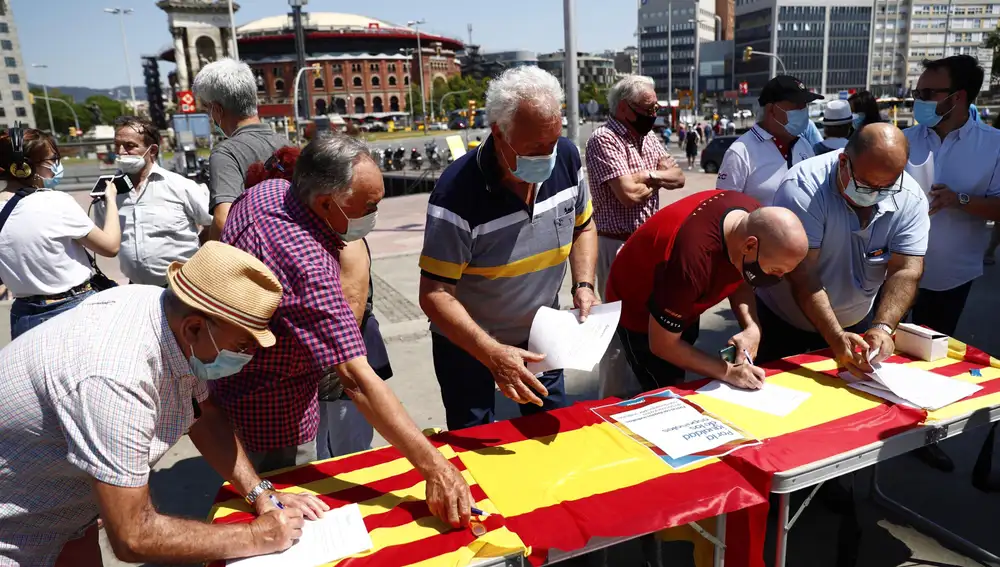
295,97
48,107
76,119
232,30
300,48
420,69
638,36
670,60
718,27
570,73
696,72
128,69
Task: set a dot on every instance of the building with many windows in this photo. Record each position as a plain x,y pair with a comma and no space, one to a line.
909,31
14,95
667,41
590,68
823,43
509,59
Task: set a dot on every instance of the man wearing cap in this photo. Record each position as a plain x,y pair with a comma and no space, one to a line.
838,123
93,399
756,163
297,229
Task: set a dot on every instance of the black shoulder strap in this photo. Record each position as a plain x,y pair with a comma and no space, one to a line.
11,203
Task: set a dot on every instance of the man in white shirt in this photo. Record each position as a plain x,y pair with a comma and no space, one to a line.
966,187
838,124
161,217
756,163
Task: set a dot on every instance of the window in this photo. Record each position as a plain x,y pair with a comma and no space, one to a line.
6,44
279,86
18,95
337,67
338,83
21,112
14,79
276,72
406,80
3,112
392,81
357,81
376,81
318,84
391,67
10,61
4,28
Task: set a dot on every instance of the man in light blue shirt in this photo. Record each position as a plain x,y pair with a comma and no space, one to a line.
866,221
966,186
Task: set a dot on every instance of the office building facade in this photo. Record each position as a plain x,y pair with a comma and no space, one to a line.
667,35
510,59
824,43
590,68
14,96
908,31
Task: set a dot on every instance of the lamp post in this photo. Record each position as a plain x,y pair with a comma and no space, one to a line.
121,13
232,29
45,91
415,24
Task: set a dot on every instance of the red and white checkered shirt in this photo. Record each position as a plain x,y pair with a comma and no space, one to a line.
613,151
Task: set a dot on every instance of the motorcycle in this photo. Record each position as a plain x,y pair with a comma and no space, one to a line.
416,160
399,158
433,155
377,157
387,159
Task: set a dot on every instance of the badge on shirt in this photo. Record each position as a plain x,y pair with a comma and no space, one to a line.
878,254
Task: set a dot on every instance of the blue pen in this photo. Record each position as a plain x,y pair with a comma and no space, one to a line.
276,502
477,511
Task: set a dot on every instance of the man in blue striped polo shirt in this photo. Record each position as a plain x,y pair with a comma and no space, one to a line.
500,224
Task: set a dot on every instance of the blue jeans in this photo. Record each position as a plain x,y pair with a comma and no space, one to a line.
26,315
468,388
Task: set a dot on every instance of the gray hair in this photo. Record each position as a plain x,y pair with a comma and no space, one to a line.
229,83
522,85
628,89
326,166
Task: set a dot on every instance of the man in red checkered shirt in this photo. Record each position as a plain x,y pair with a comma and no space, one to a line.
627,166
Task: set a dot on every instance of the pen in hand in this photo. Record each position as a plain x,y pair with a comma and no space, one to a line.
749,358
276,502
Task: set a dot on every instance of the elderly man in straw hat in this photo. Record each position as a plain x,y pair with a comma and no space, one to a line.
93,398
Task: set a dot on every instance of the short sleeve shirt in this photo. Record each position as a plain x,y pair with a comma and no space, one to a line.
853,262
102,391
39,252
232,157
967,161
753,164
273,400
676,266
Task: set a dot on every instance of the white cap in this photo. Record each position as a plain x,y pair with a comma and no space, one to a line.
838,112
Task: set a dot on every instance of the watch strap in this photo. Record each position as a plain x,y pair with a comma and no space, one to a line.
255,493
883,327
578,285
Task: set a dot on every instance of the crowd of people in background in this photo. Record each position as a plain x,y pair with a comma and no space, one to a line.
247,320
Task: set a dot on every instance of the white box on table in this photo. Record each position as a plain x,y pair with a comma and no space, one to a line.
920,342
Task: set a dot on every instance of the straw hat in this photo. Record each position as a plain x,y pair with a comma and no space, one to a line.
229,284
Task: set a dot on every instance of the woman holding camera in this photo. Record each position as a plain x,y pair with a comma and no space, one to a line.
44,233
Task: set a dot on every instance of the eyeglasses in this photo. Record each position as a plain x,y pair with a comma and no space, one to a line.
927,94
896,186
650,111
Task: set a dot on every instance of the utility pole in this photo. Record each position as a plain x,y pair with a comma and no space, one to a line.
48,107
122,12
569,73
415,24
670,60
232,30
300,47
470,33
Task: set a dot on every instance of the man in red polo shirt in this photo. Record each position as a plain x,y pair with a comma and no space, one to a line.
685,259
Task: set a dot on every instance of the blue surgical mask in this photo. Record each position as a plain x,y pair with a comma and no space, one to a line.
57,175
796,121
533,169
226,362
925,112
859,119
861,199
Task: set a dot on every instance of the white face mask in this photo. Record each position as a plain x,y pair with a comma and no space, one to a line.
132,164
359,228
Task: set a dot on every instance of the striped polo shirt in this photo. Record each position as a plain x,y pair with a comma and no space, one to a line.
505,259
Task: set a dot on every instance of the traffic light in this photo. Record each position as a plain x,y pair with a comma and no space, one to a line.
744,88
72,132
317,71
747,53
154,92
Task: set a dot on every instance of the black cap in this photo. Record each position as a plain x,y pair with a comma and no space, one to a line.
786,87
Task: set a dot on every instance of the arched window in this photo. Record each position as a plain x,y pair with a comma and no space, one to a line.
341,106
320,106
318,84
376,81
338,83
279,86
357,81
359,105
394,104
392,81
377,104
406,80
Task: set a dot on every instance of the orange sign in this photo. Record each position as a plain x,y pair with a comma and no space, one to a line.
186,102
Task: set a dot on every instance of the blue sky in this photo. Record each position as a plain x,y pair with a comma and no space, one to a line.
82,45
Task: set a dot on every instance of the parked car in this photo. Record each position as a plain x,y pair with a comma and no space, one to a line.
711,156
458,123
438,126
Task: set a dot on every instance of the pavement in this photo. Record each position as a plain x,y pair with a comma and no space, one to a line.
182,483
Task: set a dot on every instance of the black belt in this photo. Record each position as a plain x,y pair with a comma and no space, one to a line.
82,288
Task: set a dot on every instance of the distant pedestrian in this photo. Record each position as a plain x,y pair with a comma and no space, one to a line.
691,147
837,127
865,109
44,234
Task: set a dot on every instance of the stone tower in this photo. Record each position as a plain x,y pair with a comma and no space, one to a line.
201,34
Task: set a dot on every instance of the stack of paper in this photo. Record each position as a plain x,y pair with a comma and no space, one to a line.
568,343
917,387
771,398
339,533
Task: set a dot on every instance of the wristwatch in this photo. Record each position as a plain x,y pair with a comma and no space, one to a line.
963,198
578,285
883,327
652,175
261,488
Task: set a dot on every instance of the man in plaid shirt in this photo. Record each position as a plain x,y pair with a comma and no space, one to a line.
297,230
627,166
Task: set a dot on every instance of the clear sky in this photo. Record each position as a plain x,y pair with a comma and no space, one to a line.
82,45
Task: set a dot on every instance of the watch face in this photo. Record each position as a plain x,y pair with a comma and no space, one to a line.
963,199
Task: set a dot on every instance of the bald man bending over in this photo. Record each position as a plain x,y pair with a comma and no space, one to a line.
867,224
685,259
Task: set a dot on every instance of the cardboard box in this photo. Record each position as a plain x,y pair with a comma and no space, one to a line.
921,342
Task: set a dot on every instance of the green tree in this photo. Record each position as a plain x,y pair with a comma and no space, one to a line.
61,114
593,91
992,41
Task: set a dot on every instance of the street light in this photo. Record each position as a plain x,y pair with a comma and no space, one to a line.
415,24
45,91
749,52
121,13
232,29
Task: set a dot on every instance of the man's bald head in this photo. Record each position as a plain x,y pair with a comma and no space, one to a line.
774,235
877,154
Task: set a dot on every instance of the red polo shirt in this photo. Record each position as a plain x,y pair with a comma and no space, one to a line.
676,265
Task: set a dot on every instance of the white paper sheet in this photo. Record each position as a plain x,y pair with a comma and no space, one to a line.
567,343
923,173
772,398
676,428
339,533
921,388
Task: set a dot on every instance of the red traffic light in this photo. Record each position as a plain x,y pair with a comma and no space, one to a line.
744,88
